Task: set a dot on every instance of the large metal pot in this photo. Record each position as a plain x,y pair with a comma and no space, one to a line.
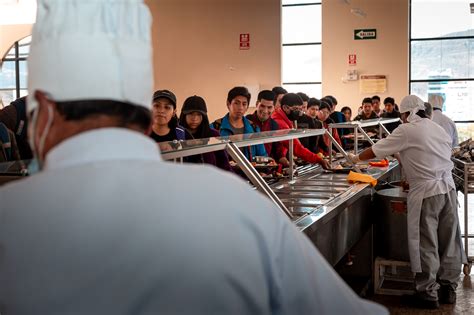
391,224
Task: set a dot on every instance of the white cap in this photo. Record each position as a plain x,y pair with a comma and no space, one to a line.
91,50
436,100
412,104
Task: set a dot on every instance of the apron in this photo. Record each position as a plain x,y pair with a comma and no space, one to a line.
418,191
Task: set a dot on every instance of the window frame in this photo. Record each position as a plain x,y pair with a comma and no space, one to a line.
440,39
16,59
302,44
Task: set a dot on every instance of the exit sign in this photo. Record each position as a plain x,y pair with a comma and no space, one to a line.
365,34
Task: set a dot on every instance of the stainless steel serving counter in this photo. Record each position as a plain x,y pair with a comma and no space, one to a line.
333,213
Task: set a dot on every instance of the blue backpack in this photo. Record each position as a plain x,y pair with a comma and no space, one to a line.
5,142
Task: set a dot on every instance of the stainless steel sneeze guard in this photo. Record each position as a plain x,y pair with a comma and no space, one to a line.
333,213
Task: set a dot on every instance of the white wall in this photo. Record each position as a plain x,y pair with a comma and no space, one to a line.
386,55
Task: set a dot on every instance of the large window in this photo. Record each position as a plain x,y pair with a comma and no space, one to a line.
13,73
301,51
442,56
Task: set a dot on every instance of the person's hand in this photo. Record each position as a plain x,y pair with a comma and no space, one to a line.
284,161
325,164
354,158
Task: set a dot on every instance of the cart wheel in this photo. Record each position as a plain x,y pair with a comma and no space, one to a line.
467,269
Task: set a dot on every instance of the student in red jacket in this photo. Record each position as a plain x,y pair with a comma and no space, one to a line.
290,110
262,118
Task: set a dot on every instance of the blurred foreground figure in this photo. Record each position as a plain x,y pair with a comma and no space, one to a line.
107,227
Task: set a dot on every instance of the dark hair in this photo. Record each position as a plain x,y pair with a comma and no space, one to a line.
324,105
367,100
346,108
332,99
126,113
303,96
279,90
421,113
375,97
313,102
266,95
291,99
389,100
203,131
327,100
238,91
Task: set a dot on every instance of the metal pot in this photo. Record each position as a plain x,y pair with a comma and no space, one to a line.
391,224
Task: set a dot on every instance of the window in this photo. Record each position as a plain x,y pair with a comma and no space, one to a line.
13,72
442,57
301,51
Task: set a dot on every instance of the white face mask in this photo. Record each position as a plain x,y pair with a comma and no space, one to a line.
37,163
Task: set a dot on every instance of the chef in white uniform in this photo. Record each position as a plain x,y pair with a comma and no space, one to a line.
441,119
107,227
434,241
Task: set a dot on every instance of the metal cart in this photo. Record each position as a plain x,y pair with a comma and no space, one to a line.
463,173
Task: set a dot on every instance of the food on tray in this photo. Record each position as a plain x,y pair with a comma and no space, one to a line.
465,151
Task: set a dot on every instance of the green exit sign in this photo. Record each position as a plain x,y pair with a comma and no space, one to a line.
365,34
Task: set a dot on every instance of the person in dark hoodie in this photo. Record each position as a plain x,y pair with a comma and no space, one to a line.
194,118
390,112
14,118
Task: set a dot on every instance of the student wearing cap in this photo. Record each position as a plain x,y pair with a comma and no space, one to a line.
194,119
262,118
235,123
284,116
165,127
441,119
107,227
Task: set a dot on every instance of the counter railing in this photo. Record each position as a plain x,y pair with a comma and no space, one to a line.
176,150
358,126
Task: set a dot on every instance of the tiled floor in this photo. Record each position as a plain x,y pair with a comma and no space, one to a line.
465,292
463,306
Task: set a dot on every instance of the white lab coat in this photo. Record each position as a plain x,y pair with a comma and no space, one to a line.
447,124
109,228
425,152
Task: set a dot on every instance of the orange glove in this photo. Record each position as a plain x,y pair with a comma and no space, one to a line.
383,163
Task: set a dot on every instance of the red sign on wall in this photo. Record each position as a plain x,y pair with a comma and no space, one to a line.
352,59
244,41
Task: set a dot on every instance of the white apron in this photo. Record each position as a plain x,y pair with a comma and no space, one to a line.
419,191
425,152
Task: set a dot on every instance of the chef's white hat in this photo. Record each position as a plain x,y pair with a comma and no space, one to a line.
91,50
412,104
436,100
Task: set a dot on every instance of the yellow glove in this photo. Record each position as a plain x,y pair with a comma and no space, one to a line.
361,178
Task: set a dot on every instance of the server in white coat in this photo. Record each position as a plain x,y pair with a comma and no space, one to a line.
434,240
107,227
441,119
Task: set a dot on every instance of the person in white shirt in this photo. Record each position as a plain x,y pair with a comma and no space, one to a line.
441,119
107,227
434,241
